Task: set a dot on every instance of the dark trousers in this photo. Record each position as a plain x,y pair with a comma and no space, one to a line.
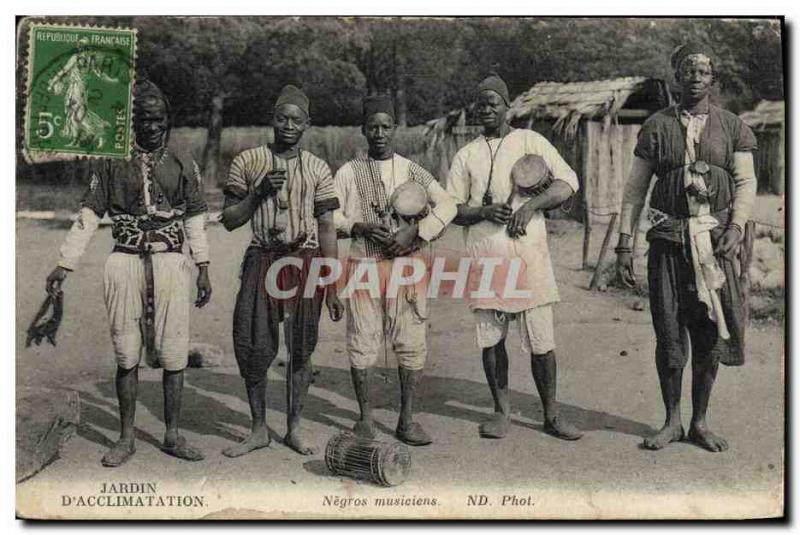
674,306
257,314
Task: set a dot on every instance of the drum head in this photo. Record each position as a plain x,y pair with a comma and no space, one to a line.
395,464
409,200
529,171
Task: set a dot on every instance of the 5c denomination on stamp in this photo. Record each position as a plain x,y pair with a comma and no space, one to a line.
79,91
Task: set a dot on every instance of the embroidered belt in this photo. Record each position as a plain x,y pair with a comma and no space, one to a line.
139,235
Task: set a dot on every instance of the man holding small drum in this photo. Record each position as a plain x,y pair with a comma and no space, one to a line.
506,223
371,190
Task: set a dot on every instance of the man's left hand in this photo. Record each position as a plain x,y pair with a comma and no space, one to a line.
519,221
404,239
728,241
203,287
334,304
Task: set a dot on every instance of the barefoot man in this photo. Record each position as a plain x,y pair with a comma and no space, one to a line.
364,187
480,181
155,201
287,195
702,157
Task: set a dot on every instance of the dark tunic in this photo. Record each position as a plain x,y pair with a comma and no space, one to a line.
117,187
674,303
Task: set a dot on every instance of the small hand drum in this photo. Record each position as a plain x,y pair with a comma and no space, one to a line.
530,175
384,463
409,201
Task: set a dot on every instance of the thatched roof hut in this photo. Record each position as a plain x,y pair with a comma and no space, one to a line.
594,126
568,103
768,122
767,114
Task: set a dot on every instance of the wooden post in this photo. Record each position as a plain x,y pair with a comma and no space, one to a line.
745,258
587,232
603,248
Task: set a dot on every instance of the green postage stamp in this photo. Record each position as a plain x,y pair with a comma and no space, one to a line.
79,91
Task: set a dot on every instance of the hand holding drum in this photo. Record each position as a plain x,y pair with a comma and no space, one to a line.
530,177
408,204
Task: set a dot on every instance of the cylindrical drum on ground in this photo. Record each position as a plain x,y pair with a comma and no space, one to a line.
385,463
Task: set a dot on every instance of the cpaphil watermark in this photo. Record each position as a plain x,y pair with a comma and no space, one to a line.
456,278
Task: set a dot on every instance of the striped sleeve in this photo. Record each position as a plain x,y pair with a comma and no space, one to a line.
236,187
325,198
420,175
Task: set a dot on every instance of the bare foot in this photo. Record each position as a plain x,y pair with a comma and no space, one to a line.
365,429
495,427
700,434
412,434
258,439
562,429
293,440
178,447
119,453
666,435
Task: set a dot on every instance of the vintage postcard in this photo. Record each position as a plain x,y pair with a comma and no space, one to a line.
400,268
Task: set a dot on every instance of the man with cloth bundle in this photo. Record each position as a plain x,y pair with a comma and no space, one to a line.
365,187
702,157
155,202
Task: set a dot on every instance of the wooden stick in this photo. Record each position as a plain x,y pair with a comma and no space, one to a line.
603,249
587,233
745,259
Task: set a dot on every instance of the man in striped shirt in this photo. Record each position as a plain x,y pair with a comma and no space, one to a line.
287,195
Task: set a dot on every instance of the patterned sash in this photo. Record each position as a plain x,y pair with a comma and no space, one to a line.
372,195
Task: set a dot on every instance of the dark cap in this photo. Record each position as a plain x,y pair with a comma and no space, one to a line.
494,83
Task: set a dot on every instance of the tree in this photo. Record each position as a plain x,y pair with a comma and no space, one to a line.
197,61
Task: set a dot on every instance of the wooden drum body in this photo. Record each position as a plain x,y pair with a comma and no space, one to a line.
384,463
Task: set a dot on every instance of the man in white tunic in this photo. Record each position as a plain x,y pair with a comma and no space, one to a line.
497,225
364,187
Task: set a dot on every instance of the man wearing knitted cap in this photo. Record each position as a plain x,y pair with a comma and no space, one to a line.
155,202
365,186
287,196
702,157
511,228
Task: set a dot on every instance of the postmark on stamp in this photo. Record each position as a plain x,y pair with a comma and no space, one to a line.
79,91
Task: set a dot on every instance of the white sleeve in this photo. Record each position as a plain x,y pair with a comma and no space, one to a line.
343,218
78,238
440,216
458,180
195,227
745,186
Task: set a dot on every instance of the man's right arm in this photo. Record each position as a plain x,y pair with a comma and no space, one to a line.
632,203
238,212
634,195
458,186
241,201
468,215
93,207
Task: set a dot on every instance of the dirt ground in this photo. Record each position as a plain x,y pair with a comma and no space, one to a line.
607,386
